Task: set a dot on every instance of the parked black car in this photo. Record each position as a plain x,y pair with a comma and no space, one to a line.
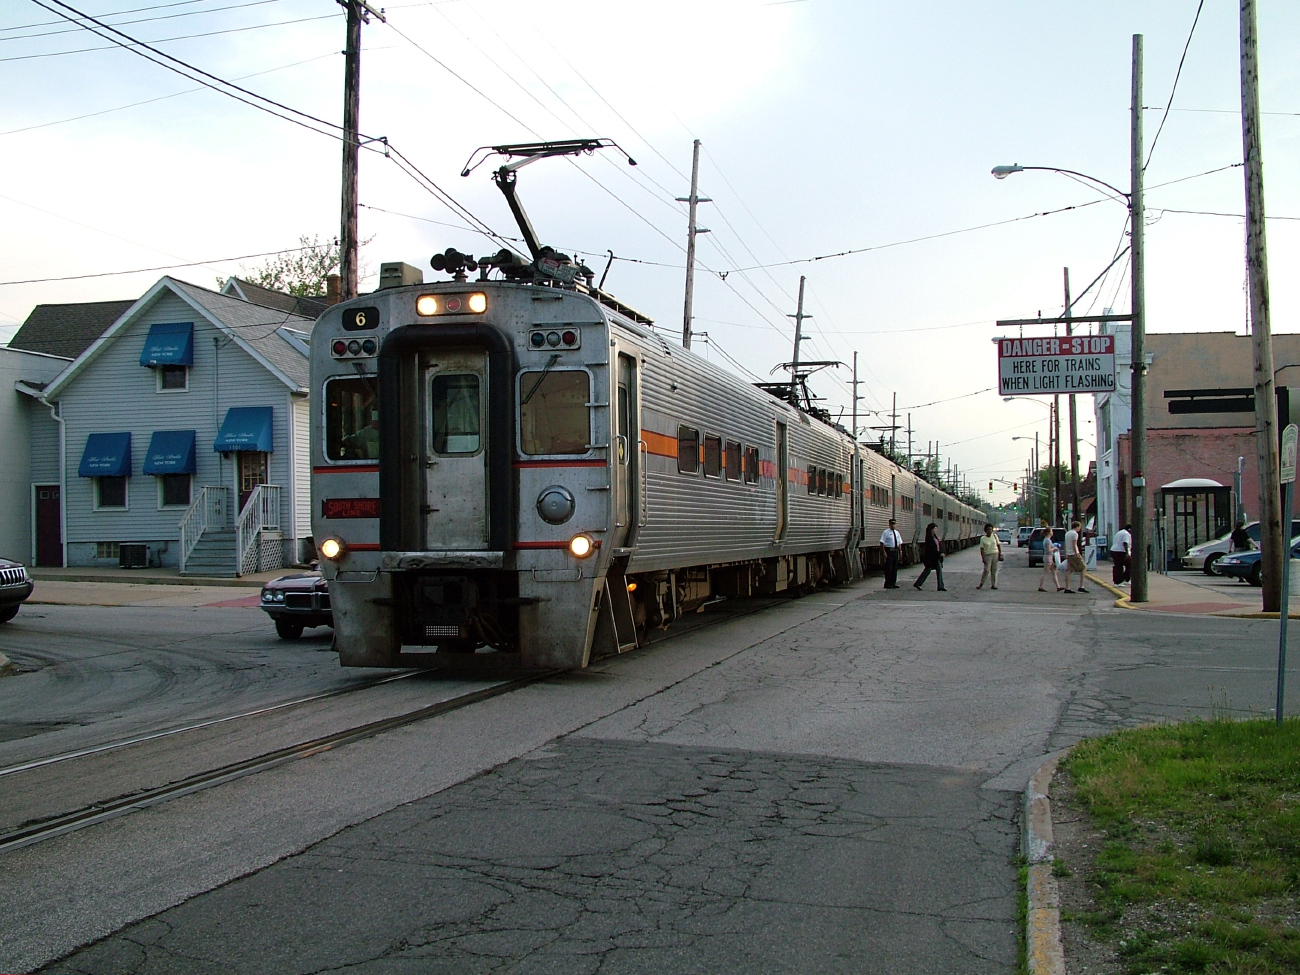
296,602
15,586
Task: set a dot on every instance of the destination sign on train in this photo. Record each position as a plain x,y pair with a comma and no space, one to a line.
1060,364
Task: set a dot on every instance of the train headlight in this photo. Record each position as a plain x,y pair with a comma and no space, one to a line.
332,548
477,303
555,504
426,305
580,546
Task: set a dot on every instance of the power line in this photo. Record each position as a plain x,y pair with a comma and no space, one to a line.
1177,74
126,23
160,98
161,40
163,267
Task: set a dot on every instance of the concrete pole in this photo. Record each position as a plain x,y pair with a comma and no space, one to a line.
1138,426
351,148
694,200
1272,541
1074,419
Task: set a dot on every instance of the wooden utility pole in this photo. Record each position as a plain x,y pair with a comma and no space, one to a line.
798,317
1272,541
694,200
358,11
1138,401
1074,420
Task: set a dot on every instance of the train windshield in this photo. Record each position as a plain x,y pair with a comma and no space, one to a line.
352,418
456,414
553,417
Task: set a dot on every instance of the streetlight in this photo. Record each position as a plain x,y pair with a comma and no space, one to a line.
1136,210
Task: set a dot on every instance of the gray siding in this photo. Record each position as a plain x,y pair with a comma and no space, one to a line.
115,393
45,444
16,415
302,465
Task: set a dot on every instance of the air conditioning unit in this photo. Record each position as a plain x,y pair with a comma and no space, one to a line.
133,556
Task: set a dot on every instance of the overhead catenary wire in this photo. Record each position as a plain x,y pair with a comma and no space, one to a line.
128,23
1177,74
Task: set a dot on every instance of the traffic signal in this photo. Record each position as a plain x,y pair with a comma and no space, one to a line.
1015,486
990,485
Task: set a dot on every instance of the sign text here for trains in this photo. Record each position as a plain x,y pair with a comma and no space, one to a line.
1066,364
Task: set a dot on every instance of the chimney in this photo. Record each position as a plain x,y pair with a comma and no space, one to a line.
333,289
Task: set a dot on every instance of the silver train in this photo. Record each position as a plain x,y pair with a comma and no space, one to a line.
529,468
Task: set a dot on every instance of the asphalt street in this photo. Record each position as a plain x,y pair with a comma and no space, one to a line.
828,785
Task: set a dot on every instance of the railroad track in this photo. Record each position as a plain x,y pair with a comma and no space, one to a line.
101,812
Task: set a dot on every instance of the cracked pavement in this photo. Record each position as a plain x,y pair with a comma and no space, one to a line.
829,785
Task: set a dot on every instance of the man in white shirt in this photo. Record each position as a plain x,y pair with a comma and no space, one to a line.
1074,563
1121,554
891,542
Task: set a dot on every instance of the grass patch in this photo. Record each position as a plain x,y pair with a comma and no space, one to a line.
1200,871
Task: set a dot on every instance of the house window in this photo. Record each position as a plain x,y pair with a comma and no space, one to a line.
174,490
110,492
688,450
733,461
173,379
712,455
108,550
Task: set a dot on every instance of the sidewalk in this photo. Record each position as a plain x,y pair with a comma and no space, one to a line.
1167,594
154,577
50,592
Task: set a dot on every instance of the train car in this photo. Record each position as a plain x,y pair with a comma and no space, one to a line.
522,469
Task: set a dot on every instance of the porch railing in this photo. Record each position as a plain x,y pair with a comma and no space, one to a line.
209,511
261,513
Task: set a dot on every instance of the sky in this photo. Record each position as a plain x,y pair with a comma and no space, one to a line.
826,126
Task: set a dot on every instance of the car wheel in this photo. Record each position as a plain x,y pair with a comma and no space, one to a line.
8,613
288,629
1208,567
1257,574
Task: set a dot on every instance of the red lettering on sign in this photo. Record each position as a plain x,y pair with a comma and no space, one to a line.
350,508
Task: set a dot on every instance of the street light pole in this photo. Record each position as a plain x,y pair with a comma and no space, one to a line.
1138,425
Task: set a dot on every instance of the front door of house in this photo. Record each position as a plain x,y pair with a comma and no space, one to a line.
253,468
49,526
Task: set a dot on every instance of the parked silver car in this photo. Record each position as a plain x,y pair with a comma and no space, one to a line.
1204,556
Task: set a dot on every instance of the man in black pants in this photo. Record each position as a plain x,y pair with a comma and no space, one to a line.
891,541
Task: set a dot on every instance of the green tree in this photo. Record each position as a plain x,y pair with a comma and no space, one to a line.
301,272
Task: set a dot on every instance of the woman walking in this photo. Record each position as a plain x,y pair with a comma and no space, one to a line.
931,557
1049,561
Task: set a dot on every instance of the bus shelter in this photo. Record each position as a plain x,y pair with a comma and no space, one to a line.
1192,510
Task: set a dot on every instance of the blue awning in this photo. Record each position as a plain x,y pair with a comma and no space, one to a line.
106,455
169,345
245,428
170,452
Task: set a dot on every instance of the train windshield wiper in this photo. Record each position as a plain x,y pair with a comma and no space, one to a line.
555,357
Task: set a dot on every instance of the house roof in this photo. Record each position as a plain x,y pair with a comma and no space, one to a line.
264,333
306,306
67,330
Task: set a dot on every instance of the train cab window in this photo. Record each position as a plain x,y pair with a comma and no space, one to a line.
812,479
352,418
456,414
688,450
553,414
751,465
733,461
838,489
821,481
712,455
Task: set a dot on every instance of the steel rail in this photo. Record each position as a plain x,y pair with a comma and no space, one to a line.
167,732
101,812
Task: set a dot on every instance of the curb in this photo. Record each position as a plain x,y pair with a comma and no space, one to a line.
1044,950
1122,602
199,581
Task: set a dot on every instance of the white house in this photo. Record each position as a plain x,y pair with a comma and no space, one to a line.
178,437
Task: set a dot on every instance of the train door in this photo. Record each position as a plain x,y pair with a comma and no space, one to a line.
782,473
455,462
627,460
